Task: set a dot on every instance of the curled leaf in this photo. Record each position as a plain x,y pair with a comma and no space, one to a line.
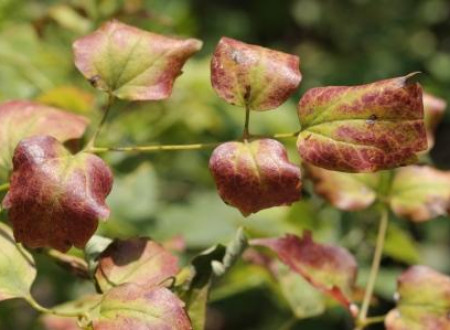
253,76
131,306
434,108
17,266
331,269
130,63
420,193
423,301
56,198
252,176
346,191
137,260
22,119
362,128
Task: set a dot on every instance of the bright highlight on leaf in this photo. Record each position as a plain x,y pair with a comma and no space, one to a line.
17,269
329,268
136,260
256,175
56,198
420,193
423,301
22,119
253,76
130,63
131,306
362,128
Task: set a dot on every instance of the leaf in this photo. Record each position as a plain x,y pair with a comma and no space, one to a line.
130,63
400,245
70,98
22,119
434,108
131,306
17,267
253,76
252,176
136,260
346,191
56,198
362,128
329,268
423,301
420,193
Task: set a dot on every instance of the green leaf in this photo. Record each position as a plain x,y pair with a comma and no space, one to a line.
329,268
420,193
70,98
362,128
56,198
423,301
17,268
346,191
130,63
136,260
253,76
22,119
256,175
131,306
400,245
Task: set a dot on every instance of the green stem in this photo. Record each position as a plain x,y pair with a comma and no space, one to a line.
246,133
38,307
91,142
371,320
362,319
4,187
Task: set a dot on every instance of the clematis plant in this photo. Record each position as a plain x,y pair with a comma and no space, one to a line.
55,195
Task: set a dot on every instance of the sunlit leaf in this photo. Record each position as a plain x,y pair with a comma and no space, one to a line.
56,198
434,108
131,306
362,128
346,191
253,76
420,193
329,268
131,63
22,119
256,175
423,301
136,260
17,269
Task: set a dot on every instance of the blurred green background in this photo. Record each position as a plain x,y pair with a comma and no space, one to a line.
164,195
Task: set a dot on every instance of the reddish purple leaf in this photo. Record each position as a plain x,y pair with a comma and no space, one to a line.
423,301
131,306
131,63
252,176
56,198
362,128
137,260
253,76
329,268
22,119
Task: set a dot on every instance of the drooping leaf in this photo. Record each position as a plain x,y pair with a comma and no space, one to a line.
256,175
131,306
22,119
17,269
420,193
130,63
423,301
362,128
329,268
346,191
56,198
434,108
253,76
136,260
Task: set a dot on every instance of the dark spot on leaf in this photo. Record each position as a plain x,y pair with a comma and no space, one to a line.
94,80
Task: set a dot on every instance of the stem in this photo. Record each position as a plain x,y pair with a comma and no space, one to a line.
75,265
246,133
4,187
167,147
371,320
91,142
33,303
375,267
